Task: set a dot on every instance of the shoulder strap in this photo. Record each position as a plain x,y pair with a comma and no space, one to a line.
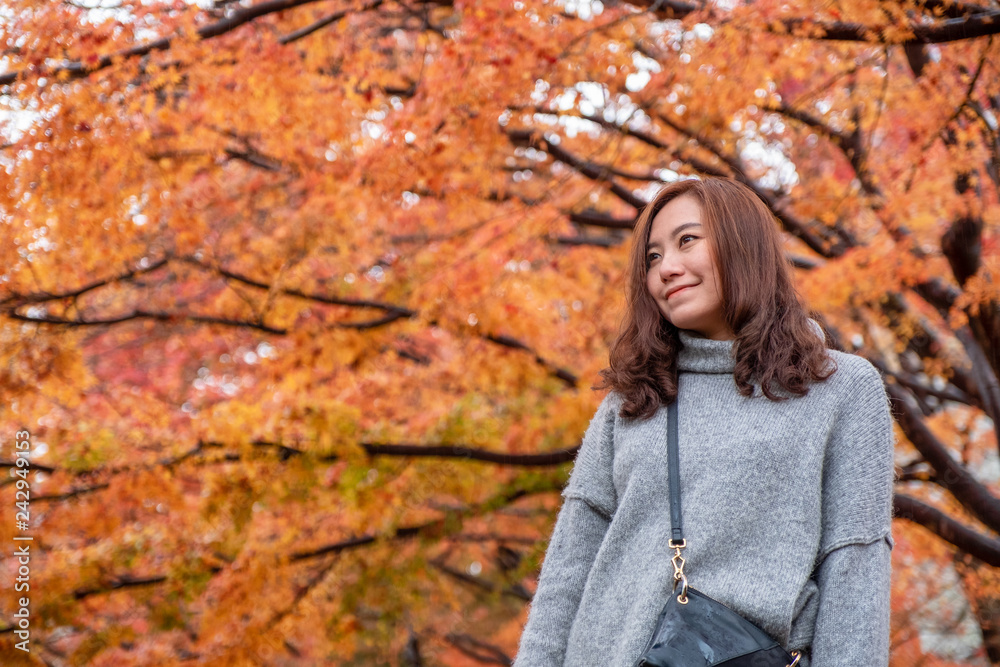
673,471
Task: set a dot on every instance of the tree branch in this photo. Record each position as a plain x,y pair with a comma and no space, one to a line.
515,591
649,139
491,504
836,136
595,219
983,547
508,341
478,650
393,312
594,172
220,27
125,581
827,248
950,30
17,300
285,452
949,393
599,241
951,8
140,314
320,24
556,457
311,296
975,497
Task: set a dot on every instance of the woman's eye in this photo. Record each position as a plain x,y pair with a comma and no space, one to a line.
650,257
686,236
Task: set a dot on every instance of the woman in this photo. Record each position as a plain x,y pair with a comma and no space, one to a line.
786,462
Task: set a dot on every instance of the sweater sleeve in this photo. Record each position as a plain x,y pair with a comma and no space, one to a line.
852,624
577,536
853,565
580,527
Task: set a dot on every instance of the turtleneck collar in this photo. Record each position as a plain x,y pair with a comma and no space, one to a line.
704,355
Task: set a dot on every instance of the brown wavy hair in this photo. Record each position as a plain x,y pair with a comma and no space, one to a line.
775,344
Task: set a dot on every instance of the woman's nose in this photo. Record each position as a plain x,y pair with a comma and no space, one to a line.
669,267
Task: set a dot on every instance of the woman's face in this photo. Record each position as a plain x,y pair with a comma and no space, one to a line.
681,275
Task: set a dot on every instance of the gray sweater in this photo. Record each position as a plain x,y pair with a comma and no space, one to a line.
787,512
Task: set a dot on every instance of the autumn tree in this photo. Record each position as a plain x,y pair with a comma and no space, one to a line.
302,301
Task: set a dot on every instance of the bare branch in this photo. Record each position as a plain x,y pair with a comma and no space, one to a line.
556,457
490,505
594,172
124,582
140,314
478,650
599,241
596,219
950,474
319,298
983,547
951,30
515,591
513,343
951,8
697,164
919,388
318,25
285,452
220,27
968,22
393,313
838,137
18,300
827,247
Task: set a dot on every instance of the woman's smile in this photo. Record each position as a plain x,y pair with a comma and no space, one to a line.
675,292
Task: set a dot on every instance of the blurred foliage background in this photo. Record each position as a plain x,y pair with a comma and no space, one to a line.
302,301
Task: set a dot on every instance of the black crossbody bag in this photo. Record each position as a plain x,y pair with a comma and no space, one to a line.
693,630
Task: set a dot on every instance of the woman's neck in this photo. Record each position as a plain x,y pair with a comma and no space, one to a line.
704,355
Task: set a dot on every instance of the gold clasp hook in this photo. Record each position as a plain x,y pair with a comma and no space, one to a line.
678,563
